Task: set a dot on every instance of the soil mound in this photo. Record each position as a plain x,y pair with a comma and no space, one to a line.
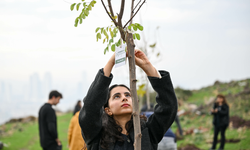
189,147
238,122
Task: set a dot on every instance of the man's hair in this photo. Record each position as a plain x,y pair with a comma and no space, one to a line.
55,94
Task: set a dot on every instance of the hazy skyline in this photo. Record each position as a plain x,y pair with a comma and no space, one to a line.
200,41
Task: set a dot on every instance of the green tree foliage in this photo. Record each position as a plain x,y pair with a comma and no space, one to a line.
106,34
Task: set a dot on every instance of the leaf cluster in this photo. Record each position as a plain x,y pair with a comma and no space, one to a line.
85,10
134,28
110,32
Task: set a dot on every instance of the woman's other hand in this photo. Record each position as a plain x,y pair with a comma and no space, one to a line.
142,61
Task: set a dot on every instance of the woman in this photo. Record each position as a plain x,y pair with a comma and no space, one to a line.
75,140
220,120
112,129
78,107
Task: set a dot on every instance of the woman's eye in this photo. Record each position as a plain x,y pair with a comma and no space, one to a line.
116,97
128,95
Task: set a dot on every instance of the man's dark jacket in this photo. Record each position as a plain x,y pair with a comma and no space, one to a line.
221,118
47,126
152,131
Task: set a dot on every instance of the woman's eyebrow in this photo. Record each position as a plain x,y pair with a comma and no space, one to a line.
127,93
116,94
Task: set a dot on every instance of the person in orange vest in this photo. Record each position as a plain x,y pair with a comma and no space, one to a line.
75,140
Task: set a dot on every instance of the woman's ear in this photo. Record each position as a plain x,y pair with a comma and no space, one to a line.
107,111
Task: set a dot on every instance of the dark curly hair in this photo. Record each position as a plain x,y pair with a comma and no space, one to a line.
111,131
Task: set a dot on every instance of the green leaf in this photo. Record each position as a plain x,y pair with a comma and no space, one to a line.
80,20
97,29
133,36
158,54
104,40
140,28
84,4
153,45
112,34
105,33
111,41
129,27
137,36
72,6
135,28
76,21
101,30
106,49
82,15
92,3
98,36
89,7
86,11
77,6
113,47
118,43
83,0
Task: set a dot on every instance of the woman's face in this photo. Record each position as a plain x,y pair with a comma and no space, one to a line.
219,100
120,102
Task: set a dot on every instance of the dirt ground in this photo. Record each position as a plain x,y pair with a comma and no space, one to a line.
189,147
239,122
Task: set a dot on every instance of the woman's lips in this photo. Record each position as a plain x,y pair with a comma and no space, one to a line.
125,105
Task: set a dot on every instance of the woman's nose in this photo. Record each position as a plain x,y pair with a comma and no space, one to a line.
124,98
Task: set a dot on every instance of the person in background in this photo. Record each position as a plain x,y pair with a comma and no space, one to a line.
48,124
168,141
75,140
77,107
220,112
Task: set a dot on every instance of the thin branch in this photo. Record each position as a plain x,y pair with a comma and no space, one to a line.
120,20
108,13
136,6
110,8
122,9
132,10
134,14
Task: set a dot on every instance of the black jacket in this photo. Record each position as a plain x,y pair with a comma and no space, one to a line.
47,126
152,131
221,118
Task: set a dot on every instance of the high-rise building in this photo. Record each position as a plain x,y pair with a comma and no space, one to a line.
35,88
47,85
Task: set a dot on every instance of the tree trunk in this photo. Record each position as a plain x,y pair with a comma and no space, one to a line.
132,76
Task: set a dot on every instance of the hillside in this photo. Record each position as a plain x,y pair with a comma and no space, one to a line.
24,135
197,121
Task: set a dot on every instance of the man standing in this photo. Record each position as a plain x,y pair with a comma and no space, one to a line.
48,124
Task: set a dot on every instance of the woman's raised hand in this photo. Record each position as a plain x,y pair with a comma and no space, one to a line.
142,61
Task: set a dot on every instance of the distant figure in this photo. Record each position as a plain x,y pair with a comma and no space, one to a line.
168,141
221,120
75,140
77,107
179,125
48,124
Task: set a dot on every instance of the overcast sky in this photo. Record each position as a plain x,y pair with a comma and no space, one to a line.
200,41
